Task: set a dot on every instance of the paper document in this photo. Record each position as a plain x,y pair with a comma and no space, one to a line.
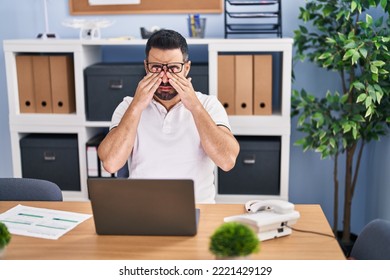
41,222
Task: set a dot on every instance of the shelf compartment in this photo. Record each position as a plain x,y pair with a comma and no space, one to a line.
249,17
254,15
46,83
252,2
252,28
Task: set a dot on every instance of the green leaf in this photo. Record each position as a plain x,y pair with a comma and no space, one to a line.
330,40
374,69
327,10
339,15
344,98
368,101
368,112
305,16
363,52
361,97
378,88
300,142
355,57
378,63
325,55
379,96
319,118
354,133
344,143
383,4
303,29
374,77
346,127
358,85
348,54
328,62
369,19
350,45
320,149
301,120
341,36
353,6
332,143
358,118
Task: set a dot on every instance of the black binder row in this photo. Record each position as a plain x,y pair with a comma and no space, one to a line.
94,164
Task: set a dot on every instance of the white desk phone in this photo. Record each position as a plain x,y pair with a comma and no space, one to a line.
269,218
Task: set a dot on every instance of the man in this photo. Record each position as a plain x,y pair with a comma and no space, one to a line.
167,130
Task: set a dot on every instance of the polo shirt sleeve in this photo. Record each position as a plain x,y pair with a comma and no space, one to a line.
216,111
120,111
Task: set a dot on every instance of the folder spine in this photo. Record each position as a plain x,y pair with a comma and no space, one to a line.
226,82
24,68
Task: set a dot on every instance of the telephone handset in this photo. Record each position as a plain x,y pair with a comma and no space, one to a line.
277,206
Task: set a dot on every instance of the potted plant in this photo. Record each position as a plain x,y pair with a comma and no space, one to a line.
343,36
234,240
5,238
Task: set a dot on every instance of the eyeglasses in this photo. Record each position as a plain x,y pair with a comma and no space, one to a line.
174,67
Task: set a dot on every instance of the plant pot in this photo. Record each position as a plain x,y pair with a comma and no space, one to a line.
233,258
346,246
2,252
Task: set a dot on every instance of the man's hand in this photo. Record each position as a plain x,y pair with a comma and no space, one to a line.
185,90
145,90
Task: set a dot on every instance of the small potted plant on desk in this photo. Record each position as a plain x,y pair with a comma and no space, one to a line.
234,240
5,238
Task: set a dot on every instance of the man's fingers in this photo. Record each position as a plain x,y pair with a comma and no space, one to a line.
149,82
176,85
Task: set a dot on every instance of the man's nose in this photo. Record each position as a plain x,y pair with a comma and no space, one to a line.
165,76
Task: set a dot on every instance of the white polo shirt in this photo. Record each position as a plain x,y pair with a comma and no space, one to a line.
167,144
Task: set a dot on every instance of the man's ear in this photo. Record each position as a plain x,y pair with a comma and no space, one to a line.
187,68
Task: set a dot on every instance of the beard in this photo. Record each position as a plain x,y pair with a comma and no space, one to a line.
165,92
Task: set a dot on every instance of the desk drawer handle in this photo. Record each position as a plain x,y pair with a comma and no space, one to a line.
49,156
251,160
116,84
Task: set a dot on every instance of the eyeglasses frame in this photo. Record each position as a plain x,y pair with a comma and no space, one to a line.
166,65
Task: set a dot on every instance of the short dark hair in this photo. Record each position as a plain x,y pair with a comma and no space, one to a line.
166,39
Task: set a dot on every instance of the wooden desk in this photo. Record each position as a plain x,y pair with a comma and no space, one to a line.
83,243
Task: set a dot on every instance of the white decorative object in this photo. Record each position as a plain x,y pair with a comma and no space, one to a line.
89,29
47,34
113,2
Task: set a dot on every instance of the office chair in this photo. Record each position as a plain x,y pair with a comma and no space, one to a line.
123,172
27,189
373,243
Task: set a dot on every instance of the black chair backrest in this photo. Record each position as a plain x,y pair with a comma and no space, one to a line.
28,189
373,243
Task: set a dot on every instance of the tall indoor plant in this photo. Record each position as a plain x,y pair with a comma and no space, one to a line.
351,37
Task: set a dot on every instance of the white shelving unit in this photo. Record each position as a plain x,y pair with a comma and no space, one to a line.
88,52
